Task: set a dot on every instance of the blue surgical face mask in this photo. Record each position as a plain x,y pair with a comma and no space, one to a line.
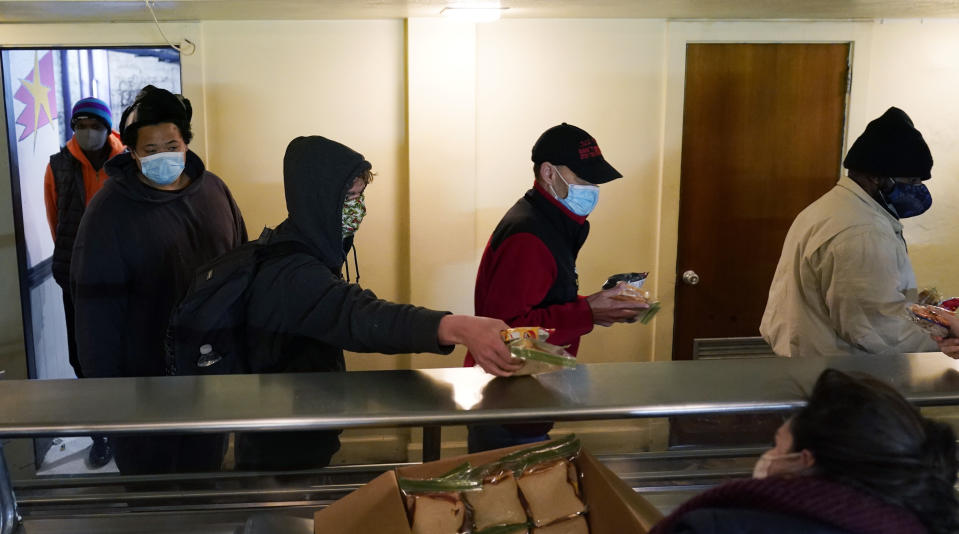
580,199
908,200
163,168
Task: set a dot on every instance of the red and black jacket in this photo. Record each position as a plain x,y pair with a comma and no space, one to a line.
527,276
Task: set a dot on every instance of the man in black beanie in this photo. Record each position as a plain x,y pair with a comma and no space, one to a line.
160,216
844,277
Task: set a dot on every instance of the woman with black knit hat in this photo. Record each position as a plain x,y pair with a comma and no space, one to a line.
858,459
159,217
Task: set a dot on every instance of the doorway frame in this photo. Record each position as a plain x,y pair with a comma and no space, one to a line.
109,35
97,35
679,34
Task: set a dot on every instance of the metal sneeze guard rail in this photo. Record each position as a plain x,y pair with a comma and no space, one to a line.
435,397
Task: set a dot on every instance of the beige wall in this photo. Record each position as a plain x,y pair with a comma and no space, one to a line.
443,174
268,82
915,65
448,113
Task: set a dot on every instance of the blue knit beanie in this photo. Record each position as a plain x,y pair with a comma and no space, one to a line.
92,108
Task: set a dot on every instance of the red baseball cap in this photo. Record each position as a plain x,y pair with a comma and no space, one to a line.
573,147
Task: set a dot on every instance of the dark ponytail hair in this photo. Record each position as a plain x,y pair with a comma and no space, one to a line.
865,434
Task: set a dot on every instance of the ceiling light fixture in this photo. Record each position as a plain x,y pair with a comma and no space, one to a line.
473,13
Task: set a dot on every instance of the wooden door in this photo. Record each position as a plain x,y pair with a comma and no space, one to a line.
762,138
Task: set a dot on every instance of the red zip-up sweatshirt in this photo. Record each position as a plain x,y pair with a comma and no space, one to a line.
527,276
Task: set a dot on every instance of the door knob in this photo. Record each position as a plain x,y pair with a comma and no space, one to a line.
690,278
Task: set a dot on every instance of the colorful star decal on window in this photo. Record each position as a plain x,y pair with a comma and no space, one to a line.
38,93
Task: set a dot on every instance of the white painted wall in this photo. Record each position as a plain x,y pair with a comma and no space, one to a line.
448,114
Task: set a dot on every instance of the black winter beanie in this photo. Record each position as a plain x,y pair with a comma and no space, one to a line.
891,147
153,106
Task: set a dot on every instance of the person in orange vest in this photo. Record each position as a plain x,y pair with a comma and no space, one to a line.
73,176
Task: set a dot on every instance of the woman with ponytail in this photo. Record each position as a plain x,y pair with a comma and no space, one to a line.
858,459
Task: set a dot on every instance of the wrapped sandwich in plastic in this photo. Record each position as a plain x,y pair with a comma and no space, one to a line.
435,506
631,289
531,490
496,507
540,356
551,492
932,319
549,481
929,296
633,279
529,344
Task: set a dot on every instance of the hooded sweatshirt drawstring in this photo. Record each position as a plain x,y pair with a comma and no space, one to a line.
356,265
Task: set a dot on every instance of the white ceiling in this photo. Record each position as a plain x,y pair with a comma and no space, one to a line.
193,10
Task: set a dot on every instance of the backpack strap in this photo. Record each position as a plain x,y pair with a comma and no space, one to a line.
267,250
265,235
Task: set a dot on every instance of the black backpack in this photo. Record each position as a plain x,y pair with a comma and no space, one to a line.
207,330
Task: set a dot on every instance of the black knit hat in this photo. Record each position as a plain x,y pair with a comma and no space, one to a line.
891,147
573,147
153,106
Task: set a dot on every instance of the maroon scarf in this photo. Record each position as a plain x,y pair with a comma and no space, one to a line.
810,497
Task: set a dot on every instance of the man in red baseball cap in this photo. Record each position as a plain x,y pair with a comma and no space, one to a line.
527,276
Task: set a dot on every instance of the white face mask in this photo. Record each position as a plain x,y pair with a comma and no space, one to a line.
762,465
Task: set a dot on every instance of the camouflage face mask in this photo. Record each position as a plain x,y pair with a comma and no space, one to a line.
353,213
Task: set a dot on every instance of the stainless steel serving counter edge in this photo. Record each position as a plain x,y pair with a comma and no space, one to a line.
444,396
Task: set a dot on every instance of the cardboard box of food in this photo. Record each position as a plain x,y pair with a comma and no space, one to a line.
614,508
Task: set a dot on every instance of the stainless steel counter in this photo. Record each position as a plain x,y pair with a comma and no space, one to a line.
428,398
443,396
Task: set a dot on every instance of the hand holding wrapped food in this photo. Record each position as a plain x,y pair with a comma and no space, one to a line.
933,319
629,288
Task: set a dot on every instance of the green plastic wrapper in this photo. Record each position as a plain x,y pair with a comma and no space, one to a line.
564,448
650,312
458,479
540,356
